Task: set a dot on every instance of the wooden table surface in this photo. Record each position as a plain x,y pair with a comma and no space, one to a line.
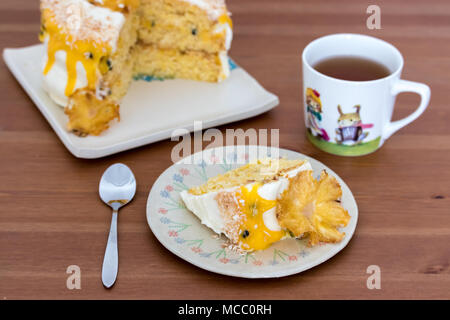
51,216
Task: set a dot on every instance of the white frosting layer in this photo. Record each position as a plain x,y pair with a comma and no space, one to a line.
270,220
206,209
84,21
223,55
55,81
225,27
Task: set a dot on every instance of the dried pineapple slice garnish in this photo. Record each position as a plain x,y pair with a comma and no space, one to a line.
311,208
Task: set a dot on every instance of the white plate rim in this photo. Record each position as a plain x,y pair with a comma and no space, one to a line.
289,271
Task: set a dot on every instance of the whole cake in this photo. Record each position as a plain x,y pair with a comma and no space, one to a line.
270,200
94,48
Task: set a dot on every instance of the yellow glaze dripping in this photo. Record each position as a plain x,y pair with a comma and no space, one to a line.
254,234
225,18
88,53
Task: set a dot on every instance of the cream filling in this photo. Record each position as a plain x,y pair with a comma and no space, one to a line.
205,206
55,81
223,55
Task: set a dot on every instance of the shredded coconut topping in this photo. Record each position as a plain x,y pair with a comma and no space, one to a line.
82,20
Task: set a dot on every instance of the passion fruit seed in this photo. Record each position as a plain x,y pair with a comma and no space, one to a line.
105,65
42,31
194,31
245,234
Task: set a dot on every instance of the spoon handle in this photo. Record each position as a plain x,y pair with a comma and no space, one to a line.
111,259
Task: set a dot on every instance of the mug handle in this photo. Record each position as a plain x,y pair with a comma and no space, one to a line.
408,86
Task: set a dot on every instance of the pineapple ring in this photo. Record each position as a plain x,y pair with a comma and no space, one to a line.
312,208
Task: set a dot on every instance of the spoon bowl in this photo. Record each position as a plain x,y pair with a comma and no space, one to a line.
117,188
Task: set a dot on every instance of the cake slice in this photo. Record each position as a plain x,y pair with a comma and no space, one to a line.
269,200
94,48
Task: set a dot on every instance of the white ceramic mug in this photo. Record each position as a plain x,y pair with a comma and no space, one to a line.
353,118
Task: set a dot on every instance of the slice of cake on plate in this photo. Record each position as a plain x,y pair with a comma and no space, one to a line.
269,200
94,48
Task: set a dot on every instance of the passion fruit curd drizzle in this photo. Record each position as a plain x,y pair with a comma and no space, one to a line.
225,19
254,234
86,52
85,32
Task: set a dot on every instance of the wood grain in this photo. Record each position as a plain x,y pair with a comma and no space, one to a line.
51,216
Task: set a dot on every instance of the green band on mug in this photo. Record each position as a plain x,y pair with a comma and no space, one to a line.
342,149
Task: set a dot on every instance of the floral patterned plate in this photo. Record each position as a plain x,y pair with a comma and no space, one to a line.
181,232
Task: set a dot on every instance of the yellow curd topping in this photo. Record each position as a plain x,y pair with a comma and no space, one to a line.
225,18
89,53
254,234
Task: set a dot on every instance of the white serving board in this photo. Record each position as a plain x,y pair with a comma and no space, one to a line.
151,111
